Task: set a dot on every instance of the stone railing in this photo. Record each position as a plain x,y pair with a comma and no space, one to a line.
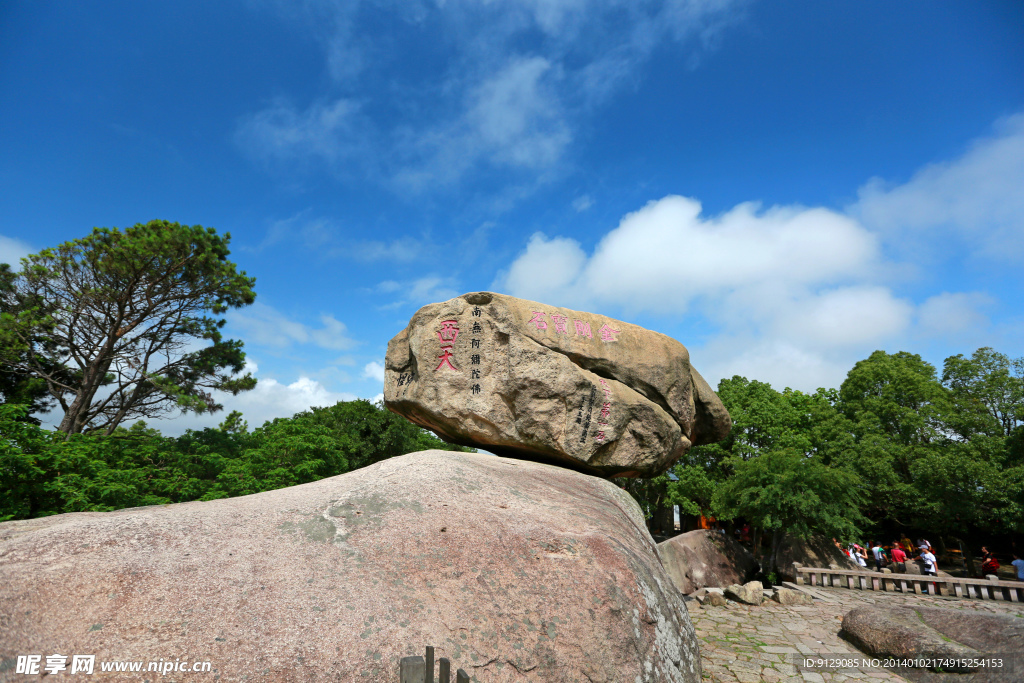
982,589
420,670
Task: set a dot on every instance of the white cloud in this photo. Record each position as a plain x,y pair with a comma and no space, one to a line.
270,399
973,203
333,334
430,289
513,117
421,291
402,249
327,130
263,324
848,316
515,114
424,290
388,286
948,313
778,362
495,103
582,203
791,295
327,239
12,251
374,370
665,255
548,270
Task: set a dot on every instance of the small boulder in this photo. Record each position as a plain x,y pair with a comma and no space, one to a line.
751,593
703,558
538,382
788,596
714,599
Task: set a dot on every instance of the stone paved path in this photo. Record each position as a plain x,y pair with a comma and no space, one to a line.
753,644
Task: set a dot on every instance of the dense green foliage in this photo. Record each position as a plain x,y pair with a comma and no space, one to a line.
42,473
111,326
895,449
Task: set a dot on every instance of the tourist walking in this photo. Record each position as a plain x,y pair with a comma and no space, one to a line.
989,563
899,557
930,564
1018,564
879,552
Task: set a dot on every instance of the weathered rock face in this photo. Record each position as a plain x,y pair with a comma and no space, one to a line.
515,571
702,558
939,633
533,381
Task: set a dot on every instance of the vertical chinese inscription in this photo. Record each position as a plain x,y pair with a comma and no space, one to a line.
588,403
606,409
474,359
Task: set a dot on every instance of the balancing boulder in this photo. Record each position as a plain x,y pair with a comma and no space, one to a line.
536,382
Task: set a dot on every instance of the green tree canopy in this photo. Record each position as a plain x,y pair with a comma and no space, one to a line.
41,473
788,492
110,323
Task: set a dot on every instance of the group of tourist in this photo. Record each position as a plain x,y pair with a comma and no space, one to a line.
902,551
898,553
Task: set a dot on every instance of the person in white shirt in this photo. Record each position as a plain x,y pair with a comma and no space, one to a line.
879,552
930,567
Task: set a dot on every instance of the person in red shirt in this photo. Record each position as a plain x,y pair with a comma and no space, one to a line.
899,557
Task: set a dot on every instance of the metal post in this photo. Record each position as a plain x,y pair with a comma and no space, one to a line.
444,673
429,673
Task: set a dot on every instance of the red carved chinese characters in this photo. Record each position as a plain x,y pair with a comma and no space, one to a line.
446,359
537,320
583,329
607,333
560,321
448,333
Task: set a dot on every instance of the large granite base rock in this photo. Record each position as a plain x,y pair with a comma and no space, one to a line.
533,381
702,558
939,633
515,571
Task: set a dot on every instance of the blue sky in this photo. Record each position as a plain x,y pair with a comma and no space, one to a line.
782,186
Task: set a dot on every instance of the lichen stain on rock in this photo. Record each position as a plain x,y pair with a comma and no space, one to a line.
315,529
